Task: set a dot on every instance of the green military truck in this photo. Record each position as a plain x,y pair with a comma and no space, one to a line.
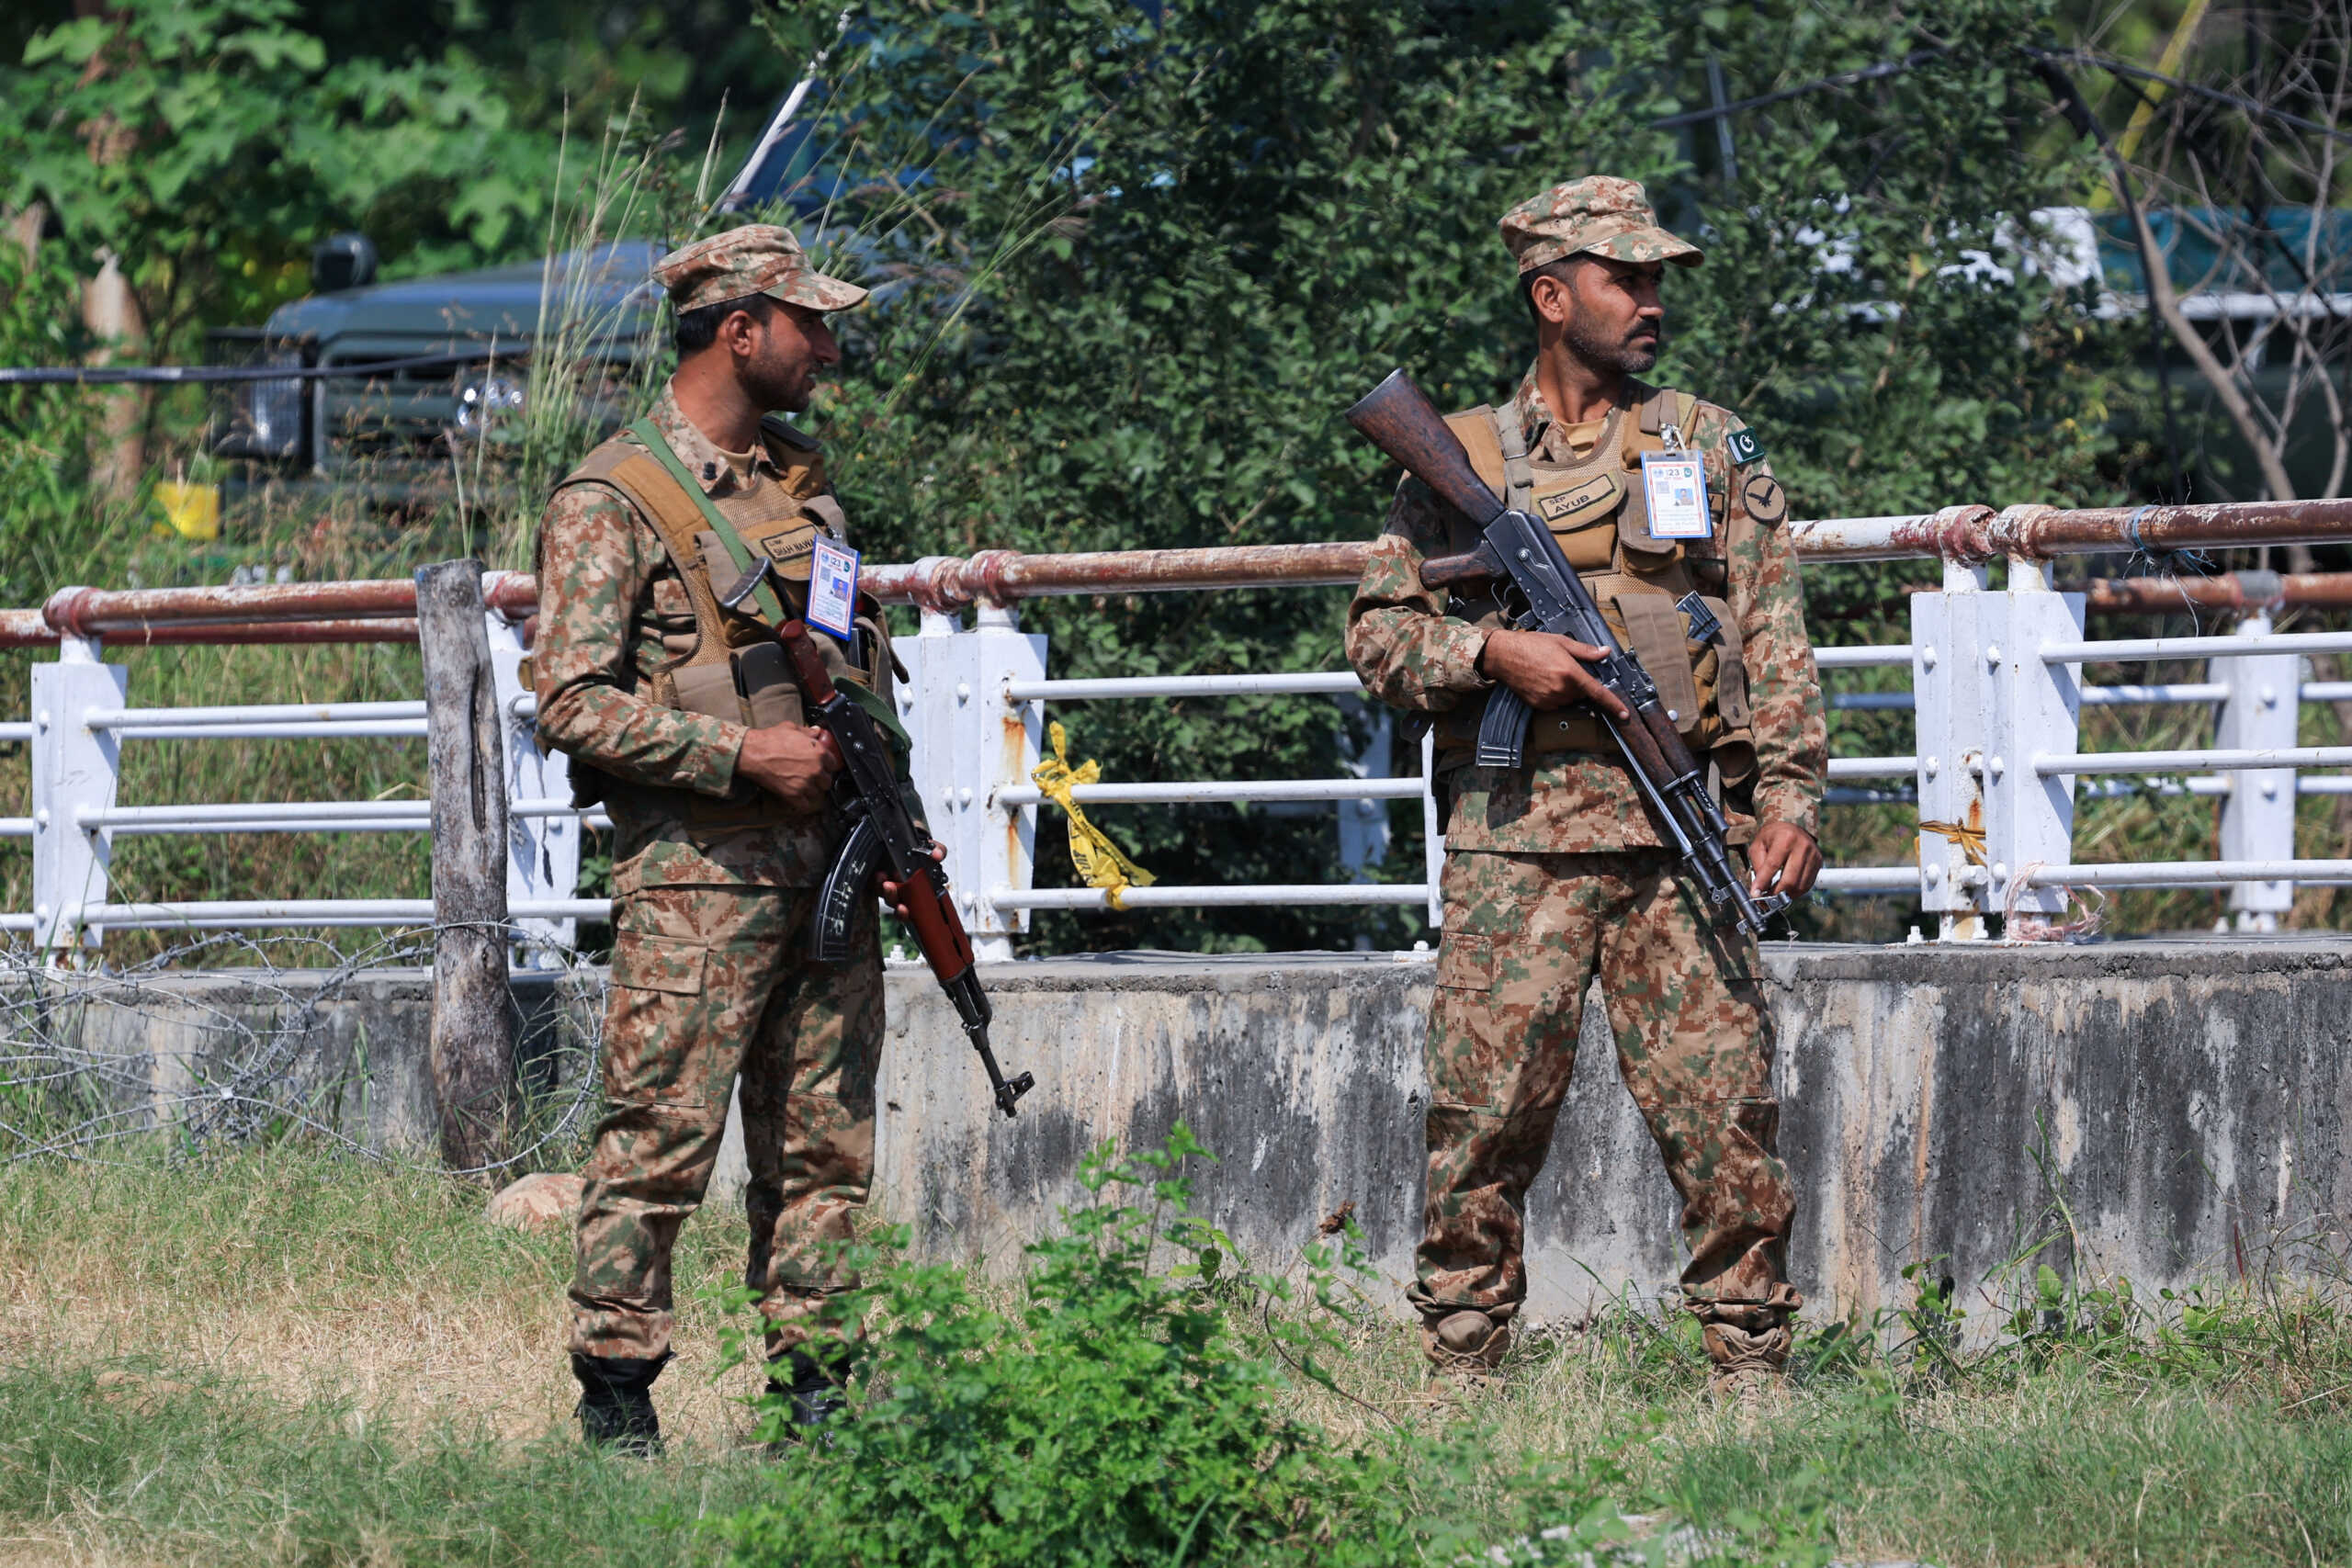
451,388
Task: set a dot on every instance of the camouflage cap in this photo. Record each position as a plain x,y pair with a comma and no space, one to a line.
1597,214
758,258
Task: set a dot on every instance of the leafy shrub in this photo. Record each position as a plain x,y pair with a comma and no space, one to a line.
1108,1415
1112,1414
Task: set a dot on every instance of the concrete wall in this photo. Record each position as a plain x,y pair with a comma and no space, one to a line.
2176,1111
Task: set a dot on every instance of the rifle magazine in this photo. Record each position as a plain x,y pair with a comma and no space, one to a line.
1502,731
835,915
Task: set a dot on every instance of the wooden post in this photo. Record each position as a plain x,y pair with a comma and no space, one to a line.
473,1027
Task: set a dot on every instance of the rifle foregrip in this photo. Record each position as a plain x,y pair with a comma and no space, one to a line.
938,929
1446,571
1397,417
1502,731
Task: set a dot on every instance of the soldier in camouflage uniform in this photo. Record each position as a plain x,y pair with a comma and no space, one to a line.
677,711
1555,869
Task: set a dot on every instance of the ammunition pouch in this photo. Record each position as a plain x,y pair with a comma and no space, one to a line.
1597,512
729,666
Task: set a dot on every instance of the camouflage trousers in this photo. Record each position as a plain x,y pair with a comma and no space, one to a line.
708,983
1523,936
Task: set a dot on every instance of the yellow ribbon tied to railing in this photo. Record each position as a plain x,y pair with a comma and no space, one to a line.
1100,862
1970,839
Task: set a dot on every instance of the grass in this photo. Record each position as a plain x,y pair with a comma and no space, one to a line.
276,1357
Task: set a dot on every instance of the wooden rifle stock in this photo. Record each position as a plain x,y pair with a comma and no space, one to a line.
1397,417
816,682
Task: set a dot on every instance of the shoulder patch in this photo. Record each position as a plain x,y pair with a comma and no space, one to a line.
1744,446
1767,503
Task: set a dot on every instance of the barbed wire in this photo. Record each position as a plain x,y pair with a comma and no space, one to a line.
220,1043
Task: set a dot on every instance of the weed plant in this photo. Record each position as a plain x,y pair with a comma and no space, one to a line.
280,1357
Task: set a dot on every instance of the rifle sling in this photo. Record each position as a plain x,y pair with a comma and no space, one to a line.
770,604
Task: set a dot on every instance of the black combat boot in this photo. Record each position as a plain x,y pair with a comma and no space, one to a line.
615,1407
810,1381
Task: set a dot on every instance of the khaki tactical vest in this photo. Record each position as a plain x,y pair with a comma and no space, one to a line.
729,665
1598,510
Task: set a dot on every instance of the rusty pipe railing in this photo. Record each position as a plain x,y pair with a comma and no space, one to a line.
1970,535
1002,577
385,610
367,610
2236,591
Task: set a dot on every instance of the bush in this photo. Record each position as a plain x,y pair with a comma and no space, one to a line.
1108,1415
1112,1414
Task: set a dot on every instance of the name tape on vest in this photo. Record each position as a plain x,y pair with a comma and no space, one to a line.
1552,508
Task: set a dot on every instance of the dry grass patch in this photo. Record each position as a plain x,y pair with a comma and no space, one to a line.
312,1276
282,1357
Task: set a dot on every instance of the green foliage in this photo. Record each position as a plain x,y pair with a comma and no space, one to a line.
1139,260
44,431
1114,1414
207,142
1109,1416
2207,1429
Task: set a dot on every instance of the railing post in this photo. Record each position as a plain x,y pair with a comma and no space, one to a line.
1432,829
2035,711
74,769
970,741
927,708
1003,840
2259,814
542,852
473,1046
1948,680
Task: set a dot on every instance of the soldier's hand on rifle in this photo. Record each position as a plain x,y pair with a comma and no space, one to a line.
1784,850
794,763
1549,670
890,888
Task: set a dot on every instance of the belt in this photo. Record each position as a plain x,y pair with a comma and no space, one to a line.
1562,731
752,807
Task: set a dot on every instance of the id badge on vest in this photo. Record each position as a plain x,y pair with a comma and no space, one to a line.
1675,485
833,589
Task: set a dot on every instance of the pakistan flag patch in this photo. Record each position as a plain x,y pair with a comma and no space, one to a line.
1745,446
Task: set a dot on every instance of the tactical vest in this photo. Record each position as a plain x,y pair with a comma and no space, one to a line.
729,665
1597,510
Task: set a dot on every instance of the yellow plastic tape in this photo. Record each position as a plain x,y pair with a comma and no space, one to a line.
192,510
1970,839
1100,862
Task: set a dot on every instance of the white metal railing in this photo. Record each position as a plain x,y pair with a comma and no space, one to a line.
82,718
1996,694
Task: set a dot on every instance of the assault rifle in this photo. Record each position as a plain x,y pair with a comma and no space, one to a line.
883,831
1546,595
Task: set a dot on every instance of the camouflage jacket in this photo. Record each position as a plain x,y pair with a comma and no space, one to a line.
608,595
1411,654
